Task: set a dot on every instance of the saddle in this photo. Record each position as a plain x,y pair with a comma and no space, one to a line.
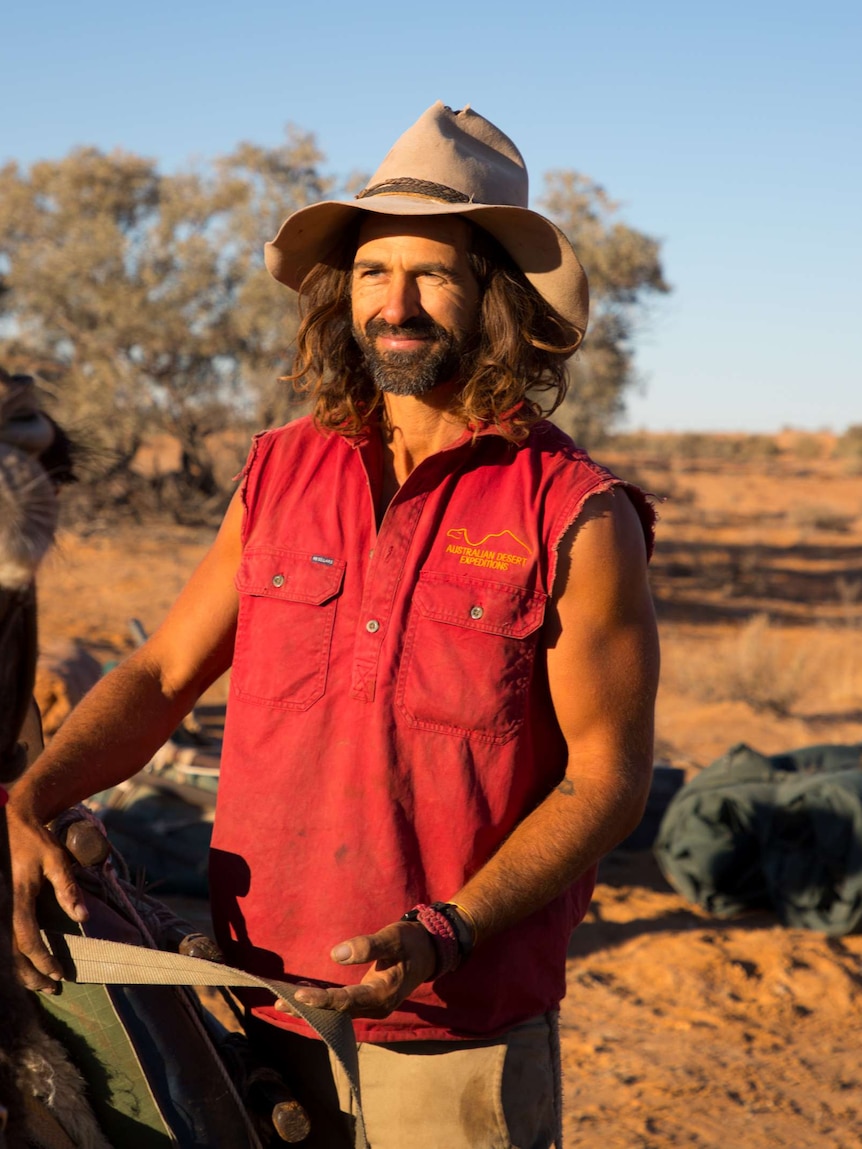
161,1069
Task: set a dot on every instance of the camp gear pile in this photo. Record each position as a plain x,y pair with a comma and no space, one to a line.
781,832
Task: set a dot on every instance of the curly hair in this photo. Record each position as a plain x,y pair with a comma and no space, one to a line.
520,352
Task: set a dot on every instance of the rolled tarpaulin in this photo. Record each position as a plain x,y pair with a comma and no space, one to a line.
812,852
707,843
753,831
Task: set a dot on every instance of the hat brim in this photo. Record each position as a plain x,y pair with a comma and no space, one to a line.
537,246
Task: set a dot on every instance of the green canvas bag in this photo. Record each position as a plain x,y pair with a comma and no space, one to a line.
783,832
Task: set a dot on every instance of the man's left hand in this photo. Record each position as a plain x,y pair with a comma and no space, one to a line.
404,956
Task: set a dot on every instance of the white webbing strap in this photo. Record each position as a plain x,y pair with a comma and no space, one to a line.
95,961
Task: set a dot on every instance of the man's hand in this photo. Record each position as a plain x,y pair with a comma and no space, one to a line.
36,857
404,956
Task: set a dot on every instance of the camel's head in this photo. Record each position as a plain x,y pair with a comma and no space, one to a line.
28,519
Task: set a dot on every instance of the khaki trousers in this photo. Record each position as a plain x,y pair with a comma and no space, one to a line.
500,1094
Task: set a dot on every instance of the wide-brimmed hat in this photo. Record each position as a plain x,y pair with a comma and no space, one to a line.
448,163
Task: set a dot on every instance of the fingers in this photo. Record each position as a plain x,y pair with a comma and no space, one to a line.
37,857
43,977
376,996
69,898
386,945
284,1006
378,989
403,955
35,965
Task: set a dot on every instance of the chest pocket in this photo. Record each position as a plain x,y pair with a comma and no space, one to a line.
284,628
468,656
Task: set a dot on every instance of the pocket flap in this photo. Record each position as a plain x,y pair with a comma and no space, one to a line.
294,576
492,607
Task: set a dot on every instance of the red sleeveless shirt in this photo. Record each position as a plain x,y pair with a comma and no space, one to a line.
389,720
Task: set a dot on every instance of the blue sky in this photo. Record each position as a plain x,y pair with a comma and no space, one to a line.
732,132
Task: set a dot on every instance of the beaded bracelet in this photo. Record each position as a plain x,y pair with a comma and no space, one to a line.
442,933
445,922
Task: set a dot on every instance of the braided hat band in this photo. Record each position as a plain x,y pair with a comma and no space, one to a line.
425,188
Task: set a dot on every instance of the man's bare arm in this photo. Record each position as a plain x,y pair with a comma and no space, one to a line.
603,665
603,661
115,731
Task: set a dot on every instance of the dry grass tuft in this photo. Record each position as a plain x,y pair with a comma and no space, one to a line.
818,517
755,665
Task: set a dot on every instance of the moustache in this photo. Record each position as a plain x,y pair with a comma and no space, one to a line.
416,327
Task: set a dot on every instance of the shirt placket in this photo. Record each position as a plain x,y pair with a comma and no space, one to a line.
388,559
381,587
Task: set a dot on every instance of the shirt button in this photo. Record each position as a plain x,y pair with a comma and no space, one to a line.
278,580
372,626
476,612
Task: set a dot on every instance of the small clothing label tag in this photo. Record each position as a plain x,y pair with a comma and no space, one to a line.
322,559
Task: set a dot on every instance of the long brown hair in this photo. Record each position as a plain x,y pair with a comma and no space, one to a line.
521,351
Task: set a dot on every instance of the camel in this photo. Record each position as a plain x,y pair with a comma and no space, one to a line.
42,1095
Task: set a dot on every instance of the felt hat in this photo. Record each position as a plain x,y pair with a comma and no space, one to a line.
448,163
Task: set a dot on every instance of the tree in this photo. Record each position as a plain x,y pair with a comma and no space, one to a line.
69,296
268,184
147,294
624,269
143,296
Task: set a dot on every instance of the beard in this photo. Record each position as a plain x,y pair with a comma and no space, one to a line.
417,372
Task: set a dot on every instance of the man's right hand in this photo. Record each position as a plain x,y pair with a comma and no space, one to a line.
38,857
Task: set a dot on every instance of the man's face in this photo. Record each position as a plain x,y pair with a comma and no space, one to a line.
415,301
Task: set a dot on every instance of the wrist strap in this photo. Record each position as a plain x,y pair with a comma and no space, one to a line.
471,922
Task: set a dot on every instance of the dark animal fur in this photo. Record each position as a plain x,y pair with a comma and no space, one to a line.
30,1060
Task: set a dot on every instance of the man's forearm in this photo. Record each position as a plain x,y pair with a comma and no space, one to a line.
111,735
568,832
602,654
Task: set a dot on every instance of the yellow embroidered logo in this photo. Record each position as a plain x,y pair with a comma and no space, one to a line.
488,552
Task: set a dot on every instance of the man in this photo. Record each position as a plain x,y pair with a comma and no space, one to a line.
443,653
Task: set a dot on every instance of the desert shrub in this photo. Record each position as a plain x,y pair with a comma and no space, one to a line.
747,571
848,592
693,446
808,448
735,448
848,448
753,666
819,517
849,445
